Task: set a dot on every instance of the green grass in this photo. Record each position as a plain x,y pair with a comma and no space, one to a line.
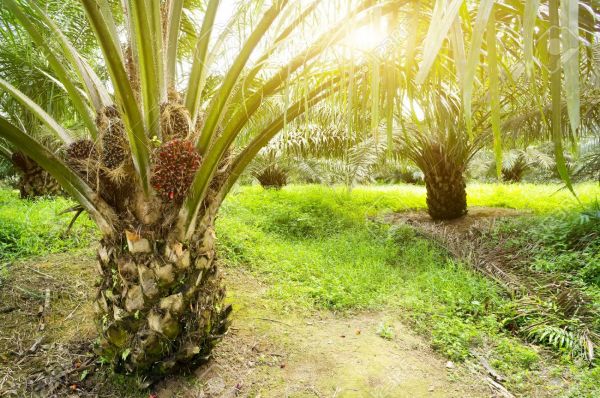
538,198
317,249
320,250
33,227
317,244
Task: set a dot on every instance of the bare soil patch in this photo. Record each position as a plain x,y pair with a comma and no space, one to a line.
477,217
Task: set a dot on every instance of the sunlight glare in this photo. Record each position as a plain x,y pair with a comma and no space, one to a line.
366,37
409,105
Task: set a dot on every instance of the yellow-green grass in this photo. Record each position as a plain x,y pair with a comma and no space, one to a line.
35,227
539,198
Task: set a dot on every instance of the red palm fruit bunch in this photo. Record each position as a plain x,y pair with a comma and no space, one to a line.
175,163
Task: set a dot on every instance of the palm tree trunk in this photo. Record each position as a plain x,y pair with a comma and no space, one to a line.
34,181
446,191
160,304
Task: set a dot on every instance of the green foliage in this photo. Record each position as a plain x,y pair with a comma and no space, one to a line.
6,169
566,242
565,246
386,331
509,355
453,338
35,227
587,384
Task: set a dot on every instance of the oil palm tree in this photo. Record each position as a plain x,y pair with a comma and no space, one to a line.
548,47
466,101
320,148
156,161
439,145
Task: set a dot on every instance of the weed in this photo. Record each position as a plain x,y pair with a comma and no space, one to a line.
34,227
386,331
454,338
510,355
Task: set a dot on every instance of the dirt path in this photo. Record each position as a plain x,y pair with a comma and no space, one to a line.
276,354
269,351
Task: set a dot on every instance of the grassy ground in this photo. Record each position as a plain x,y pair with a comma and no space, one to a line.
35,227
316,241
317,251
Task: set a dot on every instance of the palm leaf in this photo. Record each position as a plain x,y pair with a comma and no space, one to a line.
38,112
442,20
483,14
215,110
556,94
132,117
199,66
570,58
145,38
531,10
494,92
37,35
67,178
174,21
94,87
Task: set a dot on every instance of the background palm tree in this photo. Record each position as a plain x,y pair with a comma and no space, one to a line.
549,47
534,160
320,148
471,100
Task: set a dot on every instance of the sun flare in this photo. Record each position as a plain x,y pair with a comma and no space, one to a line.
366,38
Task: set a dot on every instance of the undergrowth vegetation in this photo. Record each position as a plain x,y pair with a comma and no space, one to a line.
564,242
323,249
563,246
318,248
36,227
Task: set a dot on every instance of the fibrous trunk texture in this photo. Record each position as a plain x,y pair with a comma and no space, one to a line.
446,191
160,303
34,181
